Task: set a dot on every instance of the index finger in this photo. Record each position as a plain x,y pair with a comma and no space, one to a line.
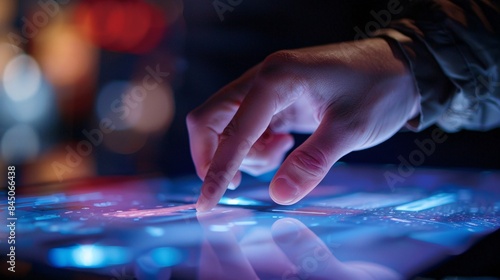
206,122
269,95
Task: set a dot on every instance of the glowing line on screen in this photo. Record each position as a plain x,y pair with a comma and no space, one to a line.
429,202
365,201
400,220
151,212
242,201
298,212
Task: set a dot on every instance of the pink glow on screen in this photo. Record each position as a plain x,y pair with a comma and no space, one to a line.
151,212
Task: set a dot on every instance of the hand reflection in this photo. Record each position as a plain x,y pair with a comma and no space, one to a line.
287,250
312,259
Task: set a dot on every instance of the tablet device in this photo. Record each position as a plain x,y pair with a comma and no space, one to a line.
354,225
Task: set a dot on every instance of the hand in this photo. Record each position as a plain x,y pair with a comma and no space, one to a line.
350,96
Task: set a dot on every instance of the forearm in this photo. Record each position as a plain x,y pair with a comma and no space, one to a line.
453,48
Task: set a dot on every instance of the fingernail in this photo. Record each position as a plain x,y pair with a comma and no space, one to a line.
283,191
285,231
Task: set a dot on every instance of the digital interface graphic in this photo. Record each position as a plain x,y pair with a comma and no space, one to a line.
149,227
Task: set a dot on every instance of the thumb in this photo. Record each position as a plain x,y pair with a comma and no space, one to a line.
308,164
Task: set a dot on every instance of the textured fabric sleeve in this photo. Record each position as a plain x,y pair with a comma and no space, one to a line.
453,49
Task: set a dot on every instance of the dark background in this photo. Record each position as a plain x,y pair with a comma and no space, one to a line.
202,53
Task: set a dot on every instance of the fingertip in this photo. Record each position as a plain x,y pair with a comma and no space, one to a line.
289,142
235,182
283,191
286,230
203,205
231,186
202,208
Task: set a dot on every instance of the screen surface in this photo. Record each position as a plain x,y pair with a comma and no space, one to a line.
352,226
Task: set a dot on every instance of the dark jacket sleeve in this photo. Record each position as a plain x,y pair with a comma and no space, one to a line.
453,49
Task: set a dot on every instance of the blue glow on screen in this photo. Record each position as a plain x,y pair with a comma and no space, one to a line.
159,258
63,198
88,256
429,202
240,201
166,256
219,228
155,231
455,238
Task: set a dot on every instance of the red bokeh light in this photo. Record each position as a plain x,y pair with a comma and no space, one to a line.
133,26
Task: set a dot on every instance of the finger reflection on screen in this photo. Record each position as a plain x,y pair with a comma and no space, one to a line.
313,259
285,249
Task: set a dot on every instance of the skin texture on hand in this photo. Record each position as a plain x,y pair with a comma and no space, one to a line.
350,96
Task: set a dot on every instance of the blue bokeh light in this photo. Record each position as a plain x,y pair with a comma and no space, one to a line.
111,104
160,258
166,256
88,256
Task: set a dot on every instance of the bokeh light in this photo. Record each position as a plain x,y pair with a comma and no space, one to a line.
112,104
20,143
125,26
88,256
22,78
36,109
62,61
44,169
154,111
7,11
65,56
7,53
155,231
135,113
160,257
24,95
125,141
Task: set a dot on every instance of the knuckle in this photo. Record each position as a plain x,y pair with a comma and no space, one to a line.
193,118
282,57
282,72
279,123
278,65
215,182
313,162
263,141
282,99
229,131
231,135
